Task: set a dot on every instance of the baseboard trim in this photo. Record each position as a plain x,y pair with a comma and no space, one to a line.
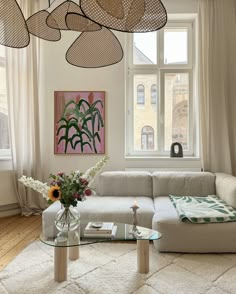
10,209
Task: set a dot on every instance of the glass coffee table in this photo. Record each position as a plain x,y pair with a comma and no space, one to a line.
73,239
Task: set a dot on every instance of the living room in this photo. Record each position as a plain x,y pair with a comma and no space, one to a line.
209,128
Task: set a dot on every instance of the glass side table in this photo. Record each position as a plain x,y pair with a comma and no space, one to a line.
71,241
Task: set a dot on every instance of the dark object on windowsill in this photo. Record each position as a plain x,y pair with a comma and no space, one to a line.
176,150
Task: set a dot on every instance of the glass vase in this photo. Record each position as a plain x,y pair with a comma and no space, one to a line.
67,219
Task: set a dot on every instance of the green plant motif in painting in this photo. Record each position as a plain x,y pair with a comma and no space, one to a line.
81,124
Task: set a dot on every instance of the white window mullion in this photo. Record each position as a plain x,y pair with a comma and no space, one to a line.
161,48
192,126
162,110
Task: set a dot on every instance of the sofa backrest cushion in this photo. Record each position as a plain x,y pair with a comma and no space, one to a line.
124,183
226,188
183,183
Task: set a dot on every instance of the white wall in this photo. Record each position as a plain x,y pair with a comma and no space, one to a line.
57,74
7,191
180,6
8,200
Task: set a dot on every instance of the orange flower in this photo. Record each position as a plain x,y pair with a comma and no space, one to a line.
54,193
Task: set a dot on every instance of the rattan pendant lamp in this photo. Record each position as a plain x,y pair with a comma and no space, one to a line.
132,16
37,25
13,28
96,46
95,49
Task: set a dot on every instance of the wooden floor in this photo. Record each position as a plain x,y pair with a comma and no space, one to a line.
16,232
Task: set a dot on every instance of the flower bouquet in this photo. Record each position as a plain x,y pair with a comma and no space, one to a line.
68,189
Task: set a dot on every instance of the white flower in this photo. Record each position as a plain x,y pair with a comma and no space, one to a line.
43,188
90,173
36,185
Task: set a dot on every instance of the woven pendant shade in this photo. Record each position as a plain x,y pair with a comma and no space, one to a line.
37,26
95,49
96,46
77,22
13,29
59,14
133,16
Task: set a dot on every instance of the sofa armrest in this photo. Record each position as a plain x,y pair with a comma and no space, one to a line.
226,188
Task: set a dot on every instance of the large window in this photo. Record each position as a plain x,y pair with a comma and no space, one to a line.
4,131
163,63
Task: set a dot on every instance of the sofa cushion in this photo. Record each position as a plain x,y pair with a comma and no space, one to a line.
110,209
181,236
121,183
183,183
117,209
226,188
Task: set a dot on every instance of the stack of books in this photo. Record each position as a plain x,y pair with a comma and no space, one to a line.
100,230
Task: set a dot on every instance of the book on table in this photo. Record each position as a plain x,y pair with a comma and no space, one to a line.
96,227
105,229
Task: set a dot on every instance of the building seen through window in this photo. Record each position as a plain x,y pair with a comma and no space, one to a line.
140,94
154,94
147,138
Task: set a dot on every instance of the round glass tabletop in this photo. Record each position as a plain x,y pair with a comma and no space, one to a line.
82,236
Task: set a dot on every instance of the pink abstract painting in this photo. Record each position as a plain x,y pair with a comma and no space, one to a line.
79,122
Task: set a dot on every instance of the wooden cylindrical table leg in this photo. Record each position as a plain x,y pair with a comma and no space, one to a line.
74,240
74,252
143,256
60,261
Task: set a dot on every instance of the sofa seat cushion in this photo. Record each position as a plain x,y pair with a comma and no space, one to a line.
117,209
122,183
110,209
181,236
183,184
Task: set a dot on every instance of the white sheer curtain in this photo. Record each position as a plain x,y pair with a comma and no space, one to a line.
217,81
23,102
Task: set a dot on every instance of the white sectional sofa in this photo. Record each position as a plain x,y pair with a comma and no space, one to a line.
117,191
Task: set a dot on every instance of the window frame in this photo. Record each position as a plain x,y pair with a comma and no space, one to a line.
191,116
160,69
190,26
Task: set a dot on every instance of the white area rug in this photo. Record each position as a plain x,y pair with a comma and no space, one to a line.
111,268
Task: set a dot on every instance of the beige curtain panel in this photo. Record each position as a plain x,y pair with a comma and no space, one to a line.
217,84
23,103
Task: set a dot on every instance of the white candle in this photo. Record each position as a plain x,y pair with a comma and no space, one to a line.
135,205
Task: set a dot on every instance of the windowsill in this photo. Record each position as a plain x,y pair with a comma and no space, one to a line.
166,158
164,163
5,158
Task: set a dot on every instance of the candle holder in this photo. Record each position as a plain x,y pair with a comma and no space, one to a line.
135,230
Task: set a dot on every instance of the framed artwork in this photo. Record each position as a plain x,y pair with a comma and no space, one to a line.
79,122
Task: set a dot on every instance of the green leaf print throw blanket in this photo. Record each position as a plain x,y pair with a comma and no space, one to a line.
201,210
